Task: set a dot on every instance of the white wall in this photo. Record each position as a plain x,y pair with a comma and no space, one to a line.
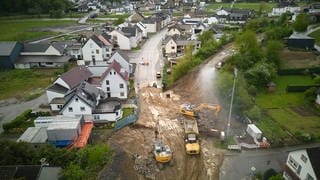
151,28
52,51
22,66
55,107
124,64
51,95
107,116
61,83
306,167
169,46
173,31
133,42
123,41
90,49
76,105
114,84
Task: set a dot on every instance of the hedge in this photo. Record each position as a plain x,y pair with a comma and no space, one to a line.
18,121
298,71
298,88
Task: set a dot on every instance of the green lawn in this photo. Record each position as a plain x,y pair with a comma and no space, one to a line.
294,122
280,98
267,6
25,83
316,35
280,119
25,29
113,15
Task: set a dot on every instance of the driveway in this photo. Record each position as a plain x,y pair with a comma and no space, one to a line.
150,52
10,112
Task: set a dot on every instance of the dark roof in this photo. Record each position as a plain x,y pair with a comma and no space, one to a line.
299,36
58,100
76,76
97,40
149,20
37,47
6,47
117,67
123,55
314,156
107,106
58,88
129,31
27,172
86,92
41,59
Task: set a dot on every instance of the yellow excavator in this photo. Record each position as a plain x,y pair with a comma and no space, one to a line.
193,110
162,152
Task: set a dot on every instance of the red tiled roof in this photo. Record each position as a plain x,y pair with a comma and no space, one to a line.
76,75
117,67
94,81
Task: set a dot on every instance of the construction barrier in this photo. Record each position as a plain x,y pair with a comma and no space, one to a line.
129,119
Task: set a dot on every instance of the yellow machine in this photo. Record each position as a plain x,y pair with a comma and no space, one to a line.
192,143
192,110
162,152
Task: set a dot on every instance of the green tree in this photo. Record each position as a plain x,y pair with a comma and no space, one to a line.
205,37
261,74
74,172
301,23
273,52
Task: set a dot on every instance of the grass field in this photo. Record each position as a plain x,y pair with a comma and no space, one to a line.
113,15
255,6
281,116
23,83
316,35
21,30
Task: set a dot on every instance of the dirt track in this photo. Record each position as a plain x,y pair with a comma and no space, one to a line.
196,87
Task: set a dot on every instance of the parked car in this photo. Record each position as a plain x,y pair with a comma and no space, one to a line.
158,74
219,65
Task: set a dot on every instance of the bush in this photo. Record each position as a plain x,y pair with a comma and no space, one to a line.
18,121
269,173
254,113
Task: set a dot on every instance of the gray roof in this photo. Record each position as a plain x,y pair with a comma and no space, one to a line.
299,36
49,173
76,75
34,135
186,42
149,20
41,59
6,47
129,31
58,88
38,47
107,106
57,100
123,54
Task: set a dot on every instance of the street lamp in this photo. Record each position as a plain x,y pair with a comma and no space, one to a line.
231,103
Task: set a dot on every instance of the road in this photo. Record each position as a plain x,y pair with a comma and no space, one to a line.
11,111
150,52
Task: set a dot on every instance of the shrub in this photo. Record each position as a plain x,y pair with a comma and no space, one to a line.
254,113
269,173
18,121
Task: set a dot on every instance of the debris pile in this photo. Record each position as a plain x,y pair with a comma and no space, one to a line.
145,166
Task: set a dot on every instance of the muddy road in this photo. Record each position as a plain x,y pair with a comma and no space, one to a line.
137,140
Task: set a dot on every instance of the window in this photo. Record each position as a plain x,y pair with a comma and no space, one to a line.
49,63
121,85
70,109
117,113
122,94
96,117
97,51
93,58
309,177
172,47
110,73
114,73
294,165
82,108
107,82
76,99
59,106
92,52
108,88
303,158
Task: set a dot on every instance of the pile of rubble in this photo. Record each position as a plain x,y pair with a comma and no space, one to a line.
145,166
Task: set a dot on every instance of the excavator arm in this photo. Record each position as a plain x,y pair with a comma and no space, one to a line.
215,107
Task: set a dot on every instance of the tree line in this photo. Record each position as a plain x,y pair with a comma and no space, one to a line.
55,8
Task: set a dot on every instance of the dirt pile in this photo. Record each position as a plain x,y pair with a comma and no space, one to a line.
145,166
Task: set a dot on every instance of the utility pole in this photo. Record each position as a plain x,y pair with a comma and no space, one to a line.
231,103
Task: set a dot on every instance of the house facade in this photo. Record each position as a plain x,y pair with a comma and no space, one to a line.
115,81
175,45
97,50
303,164
123,60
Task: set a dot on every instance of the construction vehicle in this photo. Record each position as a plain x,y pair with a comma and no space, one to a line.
193,110
191,131
162,152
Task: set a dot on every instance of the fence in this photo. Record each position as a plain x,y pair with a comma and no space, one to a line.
129,119
298,71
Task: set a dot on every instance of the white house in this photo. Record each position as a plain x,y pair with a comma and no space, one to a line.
89,101
64,83
120,40
97,49
115,81
174,30
151,24
198,29
143,28
123,60
175,45
278,11
127,37
303,164
318,97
